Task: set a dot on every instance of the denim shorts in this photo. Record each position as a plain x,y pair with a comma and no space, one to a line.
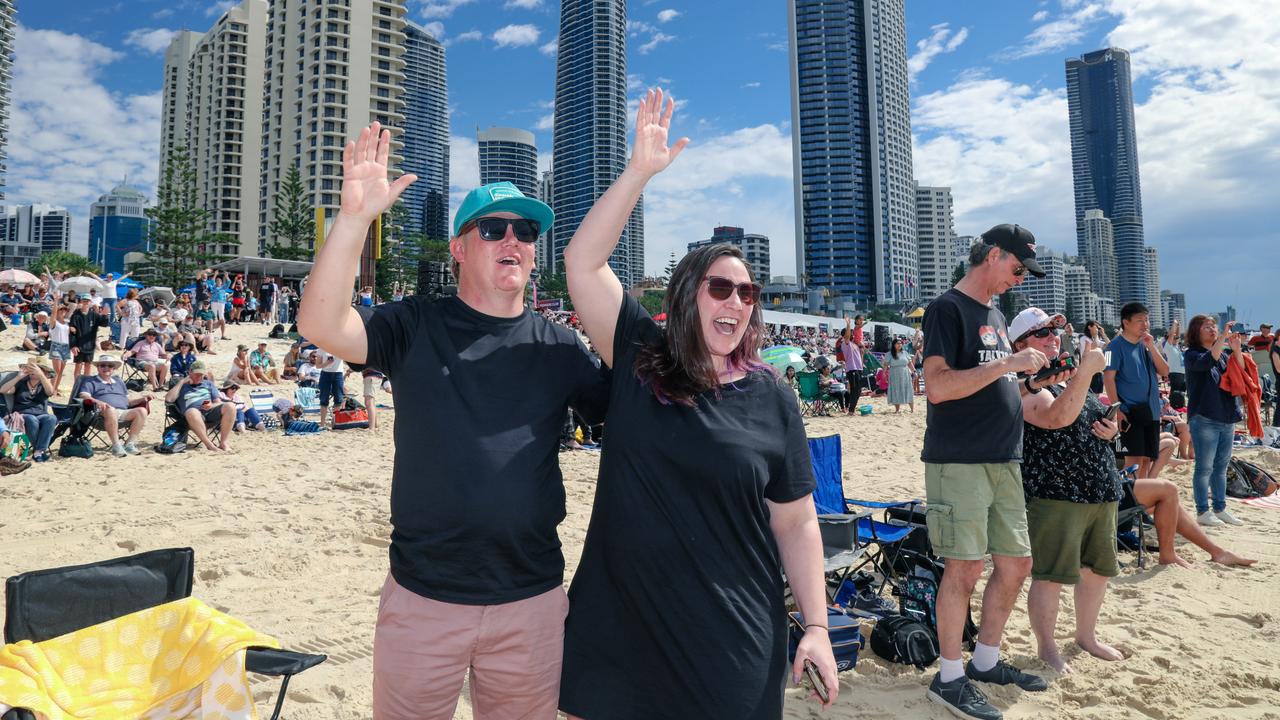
60,351
331,388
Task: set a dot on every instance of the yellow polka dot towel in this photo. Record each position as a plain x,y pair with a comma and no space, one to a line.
178,660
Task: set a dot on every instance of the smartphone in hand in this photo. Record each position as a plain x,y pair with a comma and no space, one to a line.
815,679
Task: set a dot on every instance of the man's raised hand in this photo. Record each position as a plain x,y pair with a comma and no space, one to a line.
365,190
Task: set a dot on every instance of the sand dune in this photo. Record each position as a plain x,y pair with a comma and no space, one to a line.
290,535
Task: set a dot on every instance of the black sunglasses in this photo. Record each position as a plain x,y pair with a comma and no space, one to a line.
1020,270
493,229
720,288
1043,333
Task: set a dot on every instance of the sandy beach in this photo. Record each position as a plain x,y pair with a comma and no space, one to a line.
291,536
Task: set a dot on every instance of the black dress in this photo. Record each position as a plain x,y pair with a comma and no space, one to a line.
676,610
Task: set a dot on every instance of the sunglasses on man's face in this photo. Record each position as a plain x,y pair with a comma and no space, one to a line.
494,229
720,288
1020,270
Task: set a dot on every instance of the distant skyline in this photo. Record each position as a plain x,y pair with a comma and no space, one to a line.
989,114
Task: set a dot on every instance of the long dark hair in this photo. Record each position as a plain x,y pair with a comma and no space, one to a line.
678,367
893,348
1193,330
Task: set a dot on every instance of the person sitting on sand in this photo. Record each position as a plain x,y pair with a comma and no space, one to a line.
262,366
246,417
200,403
1073,492
240,371
309,371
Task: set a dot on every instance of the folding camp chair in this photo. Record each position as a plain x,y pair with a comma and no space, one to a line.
133,374
883,539
1132,519
44,604
812,400
263,402
307,398
76,418
176,421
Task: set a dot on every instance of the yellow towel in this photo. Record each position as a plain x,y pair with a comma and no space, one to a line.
160,658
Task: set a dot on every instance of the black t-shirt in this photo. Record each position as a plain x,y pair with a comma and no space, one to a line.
30,401
676,610
202,291
86,325
985,427
266,292
476,490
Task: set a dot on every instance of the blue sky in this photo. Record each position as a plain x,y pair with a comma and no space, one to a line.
988,114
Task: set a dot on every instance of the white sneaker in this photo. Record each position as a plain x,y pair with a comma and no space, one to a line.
1208,519
117,449
1226,517
132,449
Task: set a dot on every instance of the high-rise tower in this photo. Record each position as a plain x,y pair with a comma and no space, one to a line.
8,23
176,95
589,140
851,148
1104,161
935,228
426,134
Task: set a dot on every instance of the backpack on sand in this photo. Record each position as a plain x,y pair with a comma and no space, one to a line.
1246,480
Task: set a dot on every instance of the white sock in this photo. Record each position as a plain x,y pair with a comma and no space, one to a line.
985,657
951,669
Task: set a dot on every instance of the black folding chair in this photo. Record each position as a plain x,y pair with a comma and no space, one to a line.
1132,519
45,604
175,420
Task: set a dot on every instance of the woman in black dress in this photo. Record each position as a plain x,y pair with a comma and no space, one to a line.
705,489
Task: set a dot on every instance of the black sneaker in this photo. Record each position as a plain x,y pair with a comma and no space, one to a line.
1005,674
962,699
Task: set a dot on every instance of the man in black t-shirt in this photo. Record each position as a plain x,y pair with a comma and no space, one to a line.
266,300
476,491
972,450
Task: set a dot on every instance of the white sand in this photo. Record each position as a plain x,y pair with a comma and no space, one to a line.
291,534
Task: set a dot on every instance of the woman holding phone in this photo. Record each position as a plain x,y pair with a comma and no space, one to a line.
705,488
1212,414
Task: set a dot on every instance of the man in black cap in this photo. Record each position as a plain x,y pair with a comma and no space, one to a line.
972,451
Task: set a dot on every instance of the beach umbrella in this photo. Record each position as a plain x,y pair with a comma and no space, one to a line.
189,289
158,294
81,284
127,283
14,276
783,356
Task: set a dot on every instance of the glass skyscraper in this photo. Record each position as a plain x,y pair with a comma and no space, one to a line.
851,148
1104,161
118,226
426,134
589,142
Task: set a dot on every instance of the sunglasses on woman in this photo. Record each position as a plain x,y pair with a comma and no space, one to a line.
720,288
494,229
1043,333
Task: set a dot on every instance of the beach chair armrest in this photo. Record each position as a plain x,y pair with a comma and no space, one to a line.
879,505
270,661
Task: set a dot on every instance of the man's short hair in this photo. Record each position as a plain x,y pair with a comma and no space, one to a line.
979,251
1132,308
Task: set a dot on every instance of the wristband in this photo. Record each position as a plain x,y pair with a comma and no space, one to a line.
1026,382
816,625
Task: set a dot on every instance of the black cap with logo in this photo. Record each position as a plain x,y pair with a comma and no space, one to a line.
1017,241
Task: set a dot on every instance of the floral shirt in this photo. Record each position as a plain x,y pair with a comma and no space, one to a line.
1070,463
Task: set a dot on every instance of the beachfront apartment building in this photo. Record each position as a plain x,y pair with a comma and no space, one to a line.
1096,248
1048,293
589,136
426,133
118,228
511,155
754,247
1104,162
935,244
331,69
176,94
855,198
8,25
1152,301
1174,306
28,231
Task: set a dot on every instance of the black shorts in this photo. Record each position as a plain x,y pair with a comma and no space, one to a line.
85,354
1140,439
1177,382
212,416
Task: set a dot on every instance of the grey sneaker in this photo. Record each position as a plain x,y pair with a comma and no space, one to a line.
1226,517
1208,519
132,449
1005,674
962,699
117,449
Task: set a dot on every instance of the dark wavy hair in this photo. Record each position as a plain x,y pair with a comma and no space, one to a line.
679,367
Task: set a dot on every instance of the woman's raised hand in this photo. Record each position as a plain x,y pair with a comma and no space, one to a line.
365,190
650,153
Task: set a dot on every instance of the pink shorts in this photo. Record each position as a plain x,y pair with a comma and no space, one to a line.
422,649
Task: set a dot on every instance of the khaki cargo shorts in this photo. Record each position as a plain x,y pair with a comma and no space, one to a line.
975,510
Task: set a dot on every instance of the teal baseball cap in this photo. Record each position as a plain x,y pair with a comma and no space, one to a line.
502,197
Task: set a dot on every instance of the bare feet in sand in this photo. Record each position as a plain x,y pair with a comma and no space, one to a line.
1100,650
1175,559
1055,661
1230,559
224,447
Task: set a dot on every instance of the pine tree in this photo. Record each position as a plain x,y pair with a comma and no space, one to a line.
671,268
180,238
294,222
957,275
63,261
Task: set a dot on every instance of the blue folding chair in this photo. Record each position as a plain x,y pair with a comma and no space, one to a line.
881,539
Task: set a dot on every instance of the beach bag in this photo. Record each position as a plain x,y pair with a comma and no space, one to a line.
136,384
302,427
277,332
350,419
174,441
901,639
1246,480
845,633
19,448
77,446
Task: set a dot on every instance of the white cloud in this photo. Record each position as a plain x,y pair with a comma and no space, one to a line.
942,40
441,8
1040,16
71,139
468,36
655,41
550,48
666,16
516,35
635,27
435,29
523,4
751,85
1064,31
546,122
161,13
219,7
150,40
464,170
